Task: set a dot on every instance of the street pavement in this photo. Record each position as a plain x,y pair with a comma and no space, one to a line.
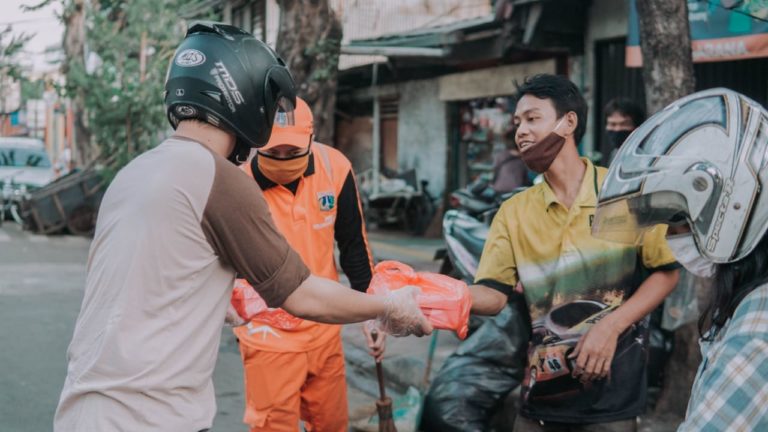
41,283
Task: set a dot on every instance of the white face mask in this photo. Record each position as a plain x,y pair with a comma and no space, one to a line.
684,248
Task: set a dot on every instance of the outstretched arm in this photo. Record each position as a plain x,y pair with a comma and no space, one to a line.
327,301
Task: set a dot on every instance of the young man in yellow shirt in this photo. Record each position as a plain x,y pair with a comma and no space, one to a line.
587,298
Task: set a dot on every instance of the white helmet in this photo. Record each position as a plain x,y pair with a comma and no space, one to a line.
701,160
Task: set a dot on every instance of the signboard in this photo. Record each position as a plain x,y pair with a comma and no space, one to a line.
721,30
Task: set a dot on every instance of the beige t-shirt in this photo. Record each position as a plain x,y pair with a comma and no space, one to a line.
174,227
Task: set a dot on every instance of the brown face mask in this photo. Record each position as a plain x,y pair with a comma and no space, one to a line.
540,156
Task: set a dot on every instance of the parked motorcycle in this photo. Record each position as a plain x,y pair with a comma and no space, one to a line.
11,197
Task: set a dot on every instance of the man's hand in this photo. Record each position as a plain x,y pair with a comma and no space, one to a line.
594,352
403,316
377,346
232,318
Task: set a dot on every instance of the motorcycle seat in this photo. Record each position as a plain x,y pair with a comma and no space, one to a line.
473,238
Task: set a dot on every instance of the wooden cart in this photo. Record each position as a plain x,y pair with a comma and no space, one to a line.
71,202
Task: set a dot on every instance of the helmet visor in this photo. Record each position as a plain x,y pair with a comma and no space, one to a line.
284,116
628,220
653,142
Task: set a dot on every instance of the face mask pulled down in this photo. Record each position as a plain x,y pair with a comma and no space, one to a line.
539,157
684,249
283,171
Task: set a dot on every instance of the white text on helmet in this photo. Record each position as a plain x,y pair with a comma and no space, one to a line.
715,237
227,86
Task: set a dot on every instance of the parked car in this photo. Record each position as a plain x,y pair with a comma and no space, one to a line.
24,168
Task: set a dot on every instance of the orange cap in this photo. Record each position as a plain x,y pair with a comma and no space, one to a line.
298,134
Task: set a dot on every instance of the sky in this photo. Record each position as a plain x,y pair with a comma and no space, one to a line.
43,23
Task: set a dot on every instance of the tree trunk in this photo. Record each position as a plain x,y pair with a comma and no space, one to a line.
309,40
74,56
665,41
668,75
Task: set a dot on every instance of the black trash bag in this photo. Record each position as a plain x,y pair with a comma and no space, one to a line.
475,380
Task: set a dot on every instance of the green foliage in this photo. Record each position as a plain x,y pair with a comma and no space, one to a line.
325,53
125,108
10,47
32,89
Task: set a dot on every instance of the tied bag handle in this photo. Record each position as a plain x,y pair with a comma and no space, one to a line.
394,267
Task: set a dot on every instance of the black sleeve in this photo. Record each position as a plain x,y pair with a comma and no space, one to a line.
507,290
349,229
515,299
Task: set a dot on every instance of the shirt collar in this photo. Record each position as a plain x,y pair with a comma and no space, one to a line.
265,183
587,196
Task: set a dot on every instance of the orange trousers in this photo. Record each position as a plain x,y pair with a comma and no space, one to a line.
283,388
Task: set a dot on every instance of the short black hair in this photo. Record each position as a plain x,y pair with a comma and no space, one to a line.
625,107
563,93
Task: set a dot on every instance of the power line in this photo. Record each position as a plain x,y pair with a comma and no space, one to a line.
29,20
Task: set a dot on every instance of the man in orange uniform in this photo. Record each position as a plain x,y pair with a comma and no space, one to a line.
294,369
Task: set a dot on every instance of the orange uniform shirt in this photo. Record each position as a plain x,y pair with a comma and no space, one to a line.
314,212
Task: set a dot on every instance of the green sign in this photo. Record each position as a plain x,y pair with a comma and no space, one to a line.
720,30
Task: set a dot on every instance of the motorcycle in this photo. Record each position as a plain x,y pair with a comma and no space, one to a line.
465,228
11,197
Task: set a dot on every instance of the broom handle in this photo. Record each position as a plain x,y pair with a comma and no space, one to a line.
379,370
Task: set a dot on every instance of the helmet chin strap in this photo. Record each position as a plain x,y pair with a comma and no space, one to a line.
240,154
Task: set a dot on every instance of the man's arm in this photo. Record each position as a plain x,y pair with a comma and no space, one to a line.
487,300
327,301
323,300
594,352
241,232
354,254
349,231
496,274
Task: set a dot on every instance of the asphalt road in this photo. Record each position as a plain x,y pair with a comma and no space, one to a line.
41,285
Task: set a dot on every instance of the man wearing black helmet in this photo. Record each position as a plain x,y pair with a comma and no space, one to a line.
174,227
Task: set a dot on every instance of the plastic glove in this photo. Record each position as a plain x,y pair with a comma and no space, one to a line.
403,316
232,318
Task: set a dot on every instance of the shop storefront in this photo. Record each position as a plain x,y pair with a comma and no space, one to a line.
480,108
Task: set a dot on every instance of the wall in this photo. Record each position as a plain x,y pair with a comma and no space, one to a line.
423,133
490,82
354,139
607,19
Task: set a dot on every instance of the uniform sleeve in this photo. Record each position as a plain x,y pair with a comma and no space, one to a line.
239,227
730,393
349,231
498,268
655,252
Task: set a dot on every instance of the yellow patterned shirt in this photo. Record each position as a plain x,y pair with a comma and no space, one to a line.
570,280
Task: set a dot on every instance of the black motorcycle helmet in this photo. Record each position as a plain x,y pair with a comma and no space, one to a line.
224,76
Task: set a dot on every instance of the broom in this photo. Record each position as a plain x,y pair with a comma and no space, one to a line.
384,403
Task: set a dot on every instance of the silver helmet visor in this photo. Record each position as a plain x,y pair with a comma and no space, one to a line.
628,220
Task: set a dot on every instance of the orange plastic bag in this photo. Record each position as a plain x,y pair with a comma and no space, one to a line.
444,300
251,307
